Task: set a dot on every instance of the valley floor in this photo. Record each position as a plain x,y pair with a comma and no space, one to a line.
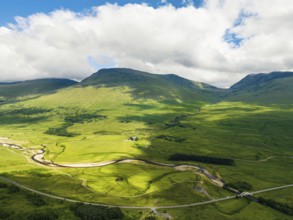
103,147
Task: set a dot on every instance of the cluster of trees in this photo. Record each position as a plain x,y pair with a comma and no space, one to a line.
85,117
240,186
61,131
171,138
90,212
276,205
202,159
26,111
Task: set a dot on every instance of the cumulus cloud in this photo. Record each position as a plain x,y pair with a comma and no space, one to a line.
218,43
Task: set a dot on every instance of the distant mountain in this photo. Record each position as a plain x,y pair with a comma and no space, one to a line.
271,88
262,88
32,87
155,86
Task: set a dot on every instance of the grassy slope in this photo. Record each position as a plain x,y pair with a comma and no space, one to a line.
168,88
105,140
274,88
248,133
32,87
17,206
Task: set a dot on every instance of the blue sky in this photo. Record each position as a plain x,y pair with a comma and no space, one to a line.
10,9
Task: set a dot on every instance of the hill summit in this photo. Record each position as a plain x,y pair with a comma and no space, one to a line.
257,80
33,87
263,88
148,85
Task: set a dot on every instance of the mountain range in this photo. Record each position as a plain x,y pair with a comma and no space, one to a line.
262,88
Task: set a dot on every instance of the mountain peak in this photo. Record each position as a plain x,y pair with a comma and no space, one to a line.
147,85
116,76
259,78
263,88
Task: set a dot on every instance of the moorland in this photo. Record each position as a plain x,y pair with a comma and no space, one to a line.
144,144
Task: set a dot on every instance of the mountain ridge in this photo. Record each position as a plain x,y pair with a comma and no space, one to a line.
149,85
33,87
258,78
264,88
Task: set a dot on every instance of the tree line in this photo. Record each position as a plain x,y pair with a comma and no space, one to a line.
201,159
281,207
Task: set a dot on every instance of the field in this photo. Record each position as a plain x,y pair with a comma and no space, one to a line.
95,125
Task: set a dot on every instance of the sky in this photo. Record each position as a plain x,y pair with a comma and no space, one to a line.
212,41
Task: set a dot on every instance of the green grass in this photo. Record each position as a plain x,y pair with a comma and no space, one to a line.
267,92
257,137
283,196
229,210
17,205
32,87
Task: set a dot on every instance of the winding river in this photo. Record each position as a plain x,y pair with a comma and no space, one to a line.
38,157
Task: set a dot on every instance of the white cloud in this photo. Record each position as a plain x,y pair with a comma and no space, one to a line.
186,41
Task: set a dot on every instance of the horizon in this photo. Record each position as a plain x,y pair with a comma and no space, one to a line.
78,81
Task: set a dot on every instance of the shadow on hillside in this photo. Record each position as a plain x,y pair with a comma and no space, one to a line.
21,120
230,131
272,128
150,86
169,190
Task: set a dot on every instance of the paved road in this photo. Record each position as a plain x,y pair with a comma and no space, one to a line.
271,189
136,207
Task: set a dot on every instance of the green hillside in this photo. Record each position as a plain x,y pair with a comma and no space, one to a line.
118,114
32,87
146,85
272,88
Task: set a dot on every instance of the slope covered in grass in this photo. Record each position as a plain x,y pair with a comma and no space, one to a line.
32,87
168,115
272,88
146,85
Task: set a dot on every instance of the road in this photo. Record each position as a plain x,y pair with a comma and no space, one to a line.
271,189
137,207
